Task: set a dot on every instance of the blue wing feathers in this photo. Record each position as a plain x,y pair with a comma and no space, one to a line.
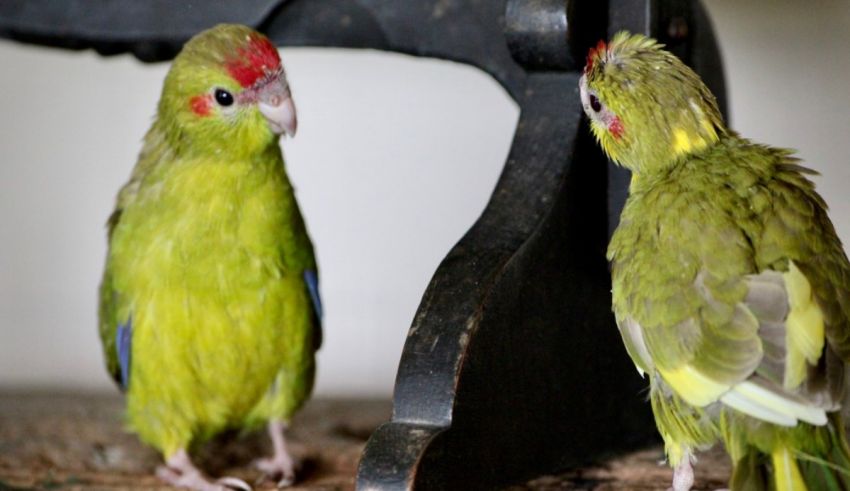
123,343
312,280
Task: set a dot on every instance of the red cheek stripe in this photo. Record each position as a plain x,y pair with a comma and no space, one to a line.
255,60
616,128
201,104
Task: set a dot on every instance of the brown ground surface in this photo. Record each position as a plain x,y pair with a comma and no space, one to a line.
76,441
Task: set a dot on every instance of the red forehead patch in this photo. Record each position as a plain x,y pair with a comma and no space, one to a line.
255,59
595,52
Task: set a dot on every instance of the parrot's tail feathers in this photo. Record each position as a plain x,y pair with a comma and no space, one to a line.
830,471
789,470
779,471
750,473
787,476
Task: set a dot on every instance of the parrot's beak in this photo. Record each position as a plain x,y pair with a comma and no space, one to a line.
585,99
277,107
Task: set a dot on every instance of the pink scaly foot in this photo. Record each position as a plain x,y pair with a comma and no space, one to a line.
683,475
179,471
280,467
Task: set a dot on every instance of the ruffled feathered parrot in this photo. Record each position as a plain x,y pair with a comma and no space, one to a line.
209,305
730,287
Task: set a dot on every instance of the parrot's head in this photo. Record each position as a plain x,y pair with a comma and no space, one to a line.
227,92
646,107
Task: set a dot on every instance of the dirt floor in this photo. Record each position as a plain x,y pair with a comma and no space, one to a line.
76,441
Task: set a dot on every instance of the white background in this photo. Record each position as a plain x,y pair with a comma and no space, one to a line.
395,157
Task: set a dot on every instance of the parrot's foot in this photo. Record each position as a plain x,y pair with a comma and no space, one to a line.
277,469
683,475
280,467
179,471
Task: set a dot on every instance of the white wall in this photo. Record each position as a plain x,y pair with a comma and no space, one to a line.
394,159
788,75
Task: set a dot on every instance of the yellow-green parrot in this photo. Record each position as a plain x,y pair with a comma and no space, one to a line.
730,287
209,304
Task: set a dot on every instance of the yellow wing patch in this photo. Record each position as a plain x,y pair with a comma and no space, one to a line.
692,386
804,329
681,142
684,143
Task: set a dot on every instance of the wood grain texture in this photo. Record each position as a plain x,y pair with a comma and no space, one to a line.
637,471
76,441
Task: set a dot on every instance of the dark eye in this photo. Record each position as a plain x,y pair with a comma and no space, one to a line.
223,97
595,104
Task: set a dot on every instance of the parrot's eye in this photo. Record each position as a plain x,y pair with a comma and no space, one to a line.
223,97
595,104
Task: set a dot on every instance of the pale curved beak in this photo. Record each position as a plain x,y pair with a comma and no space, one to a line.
277,107
585,97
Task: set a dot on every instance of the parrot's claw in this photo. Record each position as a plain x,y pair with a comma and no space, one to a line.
280,468
196,481
234,484
179,471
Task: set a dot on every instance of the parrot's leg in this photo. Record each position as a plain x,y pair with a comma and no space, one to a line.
683,474
280,466
179,471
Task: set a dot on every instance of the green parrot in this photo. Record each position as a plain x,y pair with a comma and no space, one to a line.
209,304
731,289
